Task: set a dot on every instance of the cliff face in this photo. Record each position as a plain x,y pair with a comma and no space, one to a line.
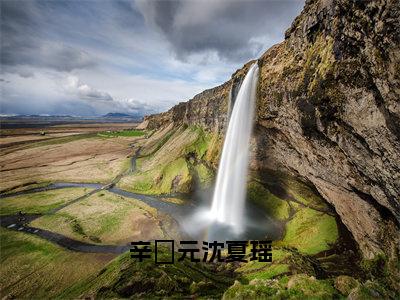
328,112
208,109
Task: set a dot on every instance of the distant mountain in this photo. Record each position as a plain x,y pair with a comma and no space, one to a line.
118,115
34,116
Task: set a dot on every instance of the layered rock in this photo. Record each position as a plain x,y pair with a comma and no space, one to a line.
208,109
328,111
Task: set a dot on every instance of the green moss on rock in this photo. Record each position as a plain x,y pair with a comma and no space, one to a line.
303,194
200,145
345,284
239,291
124,277
372,290
311,287
295,287
311,231
274,206
270,271
204,174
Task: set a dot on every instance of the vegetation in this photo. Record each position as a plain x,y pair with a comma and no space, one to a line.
318,62
274,206
24,187
304,194
40,202
310,231
124,277
123,133
161,142
174,176
269,272
103,218
200,145
345,284
295,287
32,268
171,164
204,174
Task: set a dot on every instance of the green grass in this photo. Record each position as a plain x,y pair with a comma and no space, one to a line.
32,268
294,287
274,206
269,272
40,202
123,133
164,179
101,218
239,291
200,145
26,186
124,277
162,142
311,287
278,255
164,168
141,183
310,231
304,194
172,171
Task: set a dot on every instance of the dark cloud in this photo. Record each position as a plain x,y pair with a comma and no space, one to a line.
235,30
94,57
25,40
37,106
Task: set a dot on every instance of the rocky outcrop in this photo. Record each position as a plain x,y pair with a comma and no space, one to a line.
207,109
328,111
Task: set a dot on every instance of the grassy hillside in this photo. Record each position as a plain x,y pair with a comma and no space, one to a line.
106,218
175,160
126,278
32,268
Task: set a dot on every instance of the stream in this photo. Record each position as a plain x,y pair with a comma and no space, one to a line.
261,226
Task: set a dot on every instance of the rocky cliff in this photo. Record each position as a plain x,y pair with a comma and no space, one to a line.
328,112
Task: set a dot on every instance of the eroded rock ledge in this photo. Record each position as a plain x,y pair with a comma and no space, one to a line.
328,112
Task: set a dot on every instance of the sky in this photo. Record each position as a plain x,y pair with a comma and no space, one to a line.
89,58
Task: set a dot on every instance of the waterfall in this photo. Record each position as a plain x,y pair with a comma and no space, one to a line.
230,190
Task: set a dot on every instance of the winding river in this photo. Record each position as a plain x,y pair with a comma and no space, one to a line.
178,212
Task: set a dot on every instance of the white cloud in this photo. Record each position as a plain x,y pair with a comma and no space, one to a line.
84,91
89,58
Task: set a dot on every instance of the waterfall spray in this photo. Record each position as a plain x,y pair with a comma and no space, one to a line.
230,190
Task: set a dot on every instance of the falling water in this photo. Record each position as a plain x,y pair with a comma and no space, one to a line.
230,190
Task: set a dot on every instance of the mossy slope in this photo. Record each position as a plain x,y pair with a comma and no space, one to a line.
32,268
125,277
175,160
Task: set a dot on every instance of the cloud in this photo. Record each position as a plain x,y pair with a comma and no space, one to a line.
232,29
84,91
40,94
95,57
25,40
134,106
